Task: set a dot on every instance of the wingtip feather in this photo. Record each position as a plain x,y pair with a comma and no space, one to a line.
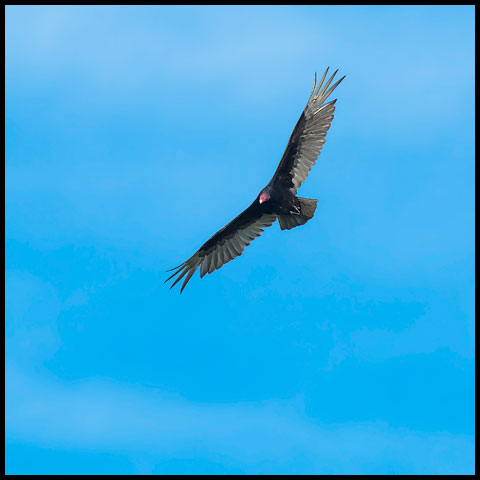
174,268
314,83
321,81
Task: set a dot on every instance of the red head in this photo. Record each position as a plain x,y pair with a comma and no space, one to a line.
264,197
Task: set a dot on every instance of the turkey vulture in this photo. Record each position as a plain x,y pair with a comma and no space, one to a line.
278,199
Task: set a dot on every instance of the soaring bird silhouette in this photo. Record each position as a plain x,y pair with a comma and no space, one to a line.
278,199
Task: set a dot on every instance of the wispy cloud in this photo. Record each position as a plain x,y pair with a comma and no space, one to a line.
111,416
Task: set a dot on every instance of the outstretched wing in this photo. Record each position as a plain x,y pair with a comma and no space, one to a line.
308,136
225,245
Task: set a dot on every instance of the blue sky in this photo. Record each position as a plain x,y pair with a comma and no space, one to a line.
343,346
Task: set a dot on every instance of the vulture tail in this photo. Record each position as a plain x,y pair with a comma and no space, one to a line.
307,210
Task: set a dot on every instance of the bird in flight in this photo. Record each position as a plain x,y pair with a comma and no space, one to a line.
278,199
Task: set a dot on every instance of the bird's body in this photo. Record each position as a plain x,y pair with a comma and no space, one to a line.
281,201
278,200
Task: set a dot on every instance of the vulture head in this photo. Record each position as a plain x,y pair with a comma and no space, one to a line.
264,196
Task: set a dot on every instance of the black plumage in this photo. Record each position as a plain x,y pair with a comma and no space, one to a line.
278,199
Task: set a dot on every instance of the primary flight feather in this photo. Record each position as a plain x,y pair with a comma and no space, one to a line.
278,199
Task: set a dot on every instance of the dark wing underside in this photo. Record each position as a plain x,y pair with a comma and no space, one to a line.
227,244
308,136
300,155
